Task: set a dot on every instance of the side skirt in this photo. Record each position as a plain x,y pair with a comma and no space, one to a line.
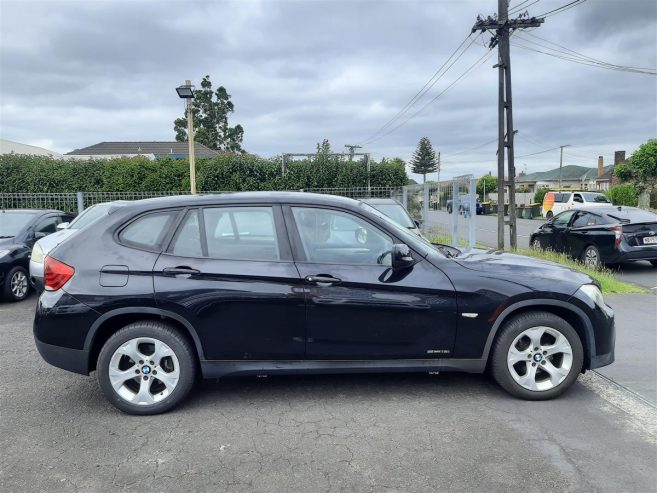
222,368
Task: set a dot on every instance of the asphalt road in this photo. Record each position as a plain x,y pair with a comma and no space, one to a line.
448,432
641,273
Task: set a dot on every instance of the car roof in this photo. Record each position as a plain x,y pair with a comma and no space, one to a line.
242,198
380,201
33,211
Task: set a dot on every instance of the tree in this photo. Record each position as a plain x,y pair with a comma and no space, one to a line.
324,148
486,184
641,170
210,110
424,159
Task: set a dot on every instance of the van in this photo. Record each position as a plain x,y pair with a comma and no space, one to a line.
559,201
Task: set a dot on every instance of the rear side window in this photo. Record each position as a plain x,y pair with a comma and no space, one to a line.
187,242
148,232
562,197
241,233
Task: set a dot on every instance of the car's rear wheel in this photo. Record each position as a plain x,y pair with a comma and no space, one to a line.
549,215
591,257
17,284
537,356
536,244
147,367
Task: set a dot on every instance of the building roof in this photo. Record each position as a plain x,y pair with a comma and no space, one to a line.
608,173
11,147
159,149
569,173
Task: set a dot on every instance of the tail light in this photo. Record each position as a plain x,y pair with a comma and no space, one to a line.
618,232
56,274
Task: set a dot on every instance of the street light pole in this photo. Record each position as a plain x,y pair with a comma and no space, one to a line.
186,92
561,162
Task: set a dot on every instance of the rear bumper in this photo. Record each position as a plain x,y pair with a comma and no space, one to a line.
75,360
633,254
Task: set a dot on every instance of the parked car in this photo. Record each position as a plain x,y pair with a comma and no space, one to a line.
556,202
263,283
64,231
19,230
395,211
464,205
601,235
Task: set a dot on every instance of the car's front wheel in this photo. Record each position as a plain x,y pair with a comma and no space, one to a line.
591,257
147,367
537,356
536,244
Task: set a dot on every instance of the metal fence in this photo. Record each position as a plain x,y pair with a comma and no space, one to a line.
443,209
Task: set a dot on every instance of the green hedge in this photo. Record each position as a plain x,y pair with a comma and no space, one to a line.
624,194
37,174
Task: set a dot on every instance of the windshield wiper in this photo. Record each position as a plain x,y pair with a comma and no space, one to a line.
6,236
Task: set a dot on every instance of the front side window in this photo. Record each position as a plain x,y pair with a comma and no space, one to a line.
241,233
337,237
584,219
148,231
47,225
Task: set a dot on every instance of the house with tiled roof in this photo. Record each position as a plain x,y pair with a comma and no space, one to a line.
151,150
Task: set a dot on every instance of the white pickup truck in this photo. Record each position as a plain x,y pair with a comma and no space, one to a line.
556,202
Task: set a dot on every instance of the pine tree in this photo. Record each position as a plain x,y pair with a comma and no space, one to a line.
424,159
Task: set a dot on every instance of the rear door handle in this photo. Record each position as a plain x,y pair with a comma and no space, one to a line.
180,271
322,279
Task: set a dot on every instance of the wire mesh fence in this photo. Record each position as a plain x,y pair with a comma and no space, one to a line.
446,210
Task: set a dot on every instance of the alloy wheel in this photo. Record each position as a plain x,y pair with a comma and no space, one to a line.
19,284
591,257
144,371
540,358
536,244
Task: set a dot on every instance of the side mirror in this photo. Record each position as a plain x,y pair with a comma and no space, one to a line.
417,223
61,226
401,256
361,235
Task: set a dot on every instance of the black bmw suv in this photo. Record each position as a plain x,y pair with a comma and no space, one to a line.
162,290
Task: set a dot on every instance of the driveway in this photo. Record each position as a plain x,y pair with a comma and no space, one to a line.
641,273
449,432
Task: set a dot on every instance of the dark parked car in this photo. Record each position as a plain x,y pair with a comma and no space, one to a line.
268,283
395,211
601,235
19,230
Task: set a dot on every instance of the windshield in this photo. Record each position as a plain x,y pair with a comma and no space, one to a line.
404,233
12,222
90,215
595,197
397,213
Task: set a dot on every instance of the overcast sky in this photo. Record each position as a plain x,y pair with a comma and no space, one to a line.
81,72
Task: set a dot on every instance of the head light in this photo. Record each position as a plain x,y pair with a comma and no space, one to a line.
593,293
37,254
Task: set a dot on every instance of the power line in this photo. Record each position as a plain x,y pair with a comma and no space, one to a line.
427,86
582,61
539,152
558,10
472,148
575,53
518,7
478,62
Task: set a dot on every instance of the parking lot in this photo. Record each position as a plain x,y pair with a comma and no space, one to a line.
330,433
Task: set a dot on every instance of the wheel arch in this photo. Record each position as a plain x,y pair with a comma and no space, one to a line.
570,313
110,322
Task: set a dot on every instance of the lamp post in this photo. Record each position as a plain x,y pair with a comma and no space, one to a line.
186,92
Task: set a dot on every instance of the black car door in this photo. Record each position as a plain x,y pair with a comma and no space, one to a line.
557,230
358,306
229,271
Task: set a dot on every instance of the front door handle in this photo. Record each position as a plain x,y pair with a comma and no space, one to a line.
322,279
180,271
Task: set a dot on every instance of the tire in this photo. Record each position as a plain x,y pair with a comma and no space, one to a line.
536,244
591,257
449,209
123,352
540,382
17,285
549,215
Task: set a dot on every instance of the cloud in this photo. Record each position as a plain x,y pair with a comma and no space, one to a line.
75,73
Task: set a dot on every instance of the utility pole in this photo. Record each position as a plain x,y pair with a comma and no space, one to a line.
561,162
502,27
352,148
